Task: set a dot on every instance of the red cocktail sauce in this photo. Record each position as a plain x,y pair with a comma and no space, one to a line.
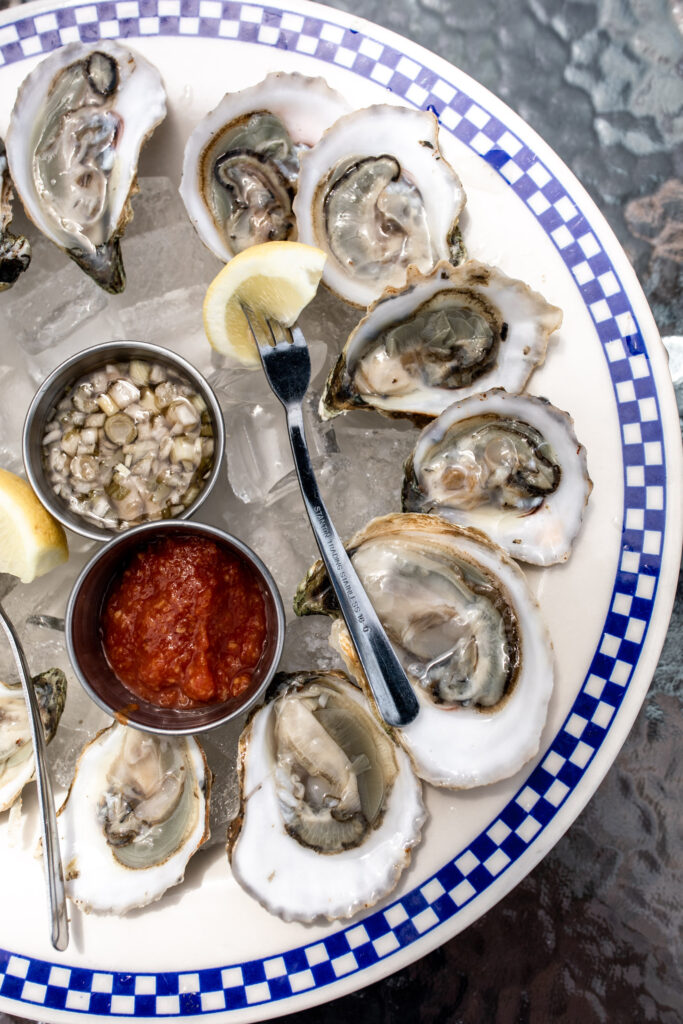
185,624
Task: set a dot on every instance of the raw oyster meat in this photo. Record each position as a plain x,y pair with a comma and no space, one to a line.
442,337
17,764
241,163
508,464
76,131
330,806
467,630
136,811
15,252
377,196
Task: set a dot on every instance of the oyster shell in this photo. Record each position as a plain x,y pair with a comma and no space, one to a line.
330,807
468,633
241,163
15,252
17,764
136,811
377,196
442,337
76,130
508,464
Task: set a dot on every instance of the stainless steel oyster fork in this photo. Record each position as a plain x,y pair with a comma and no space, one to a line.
287,366
54,876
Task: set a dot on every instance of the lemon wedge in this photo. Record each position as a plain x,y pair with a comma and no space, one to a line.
276,278
31,541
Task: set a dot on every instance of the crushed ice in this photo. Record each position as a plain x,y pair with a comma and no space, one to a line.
358,459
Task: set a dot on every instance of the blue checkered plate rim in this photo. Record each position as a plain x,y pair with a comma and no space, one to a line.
555,790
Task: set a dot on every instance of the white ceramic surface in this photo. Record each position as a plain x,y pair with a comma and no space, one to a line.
207,948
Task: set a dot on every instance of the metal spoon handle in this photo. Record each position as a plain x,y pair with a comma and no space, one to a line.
396,702
51,857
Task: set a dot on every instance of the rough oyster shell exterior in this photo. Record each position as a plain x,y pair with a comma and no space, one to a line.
292,879
77,127
15,252
422,193
521,322
96,878
304,106
541,534
17,763
458,747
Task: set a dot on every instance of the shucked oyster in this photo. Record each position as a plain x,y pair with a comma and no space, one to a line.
467,631
442,337
136,811
330,807
15,253
76,130
377,196
508,464
17,764
241,163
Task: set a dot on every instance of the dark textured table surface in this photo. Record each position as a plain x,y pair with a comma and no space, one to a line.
593,934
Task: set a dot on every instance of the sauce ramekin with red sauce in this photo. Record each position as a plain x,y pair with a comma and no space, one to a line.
176,626
185,624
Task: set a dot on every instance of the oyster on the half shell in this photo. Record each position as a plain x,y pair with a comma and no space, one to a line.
377,196
443,336
468,632
330,806
78,124
508,464
136,811
15,251
17,763
241,162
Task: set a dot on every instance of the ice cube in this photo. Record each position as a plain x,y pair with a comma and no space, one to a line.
17,388
327,321
307,647
285,544
237,385
258,450
157,205
370,475
103,327
163,260
172,320
257,441
51,305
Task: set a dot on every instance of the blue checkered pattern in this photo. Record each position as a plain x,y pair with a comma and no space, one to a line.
350,949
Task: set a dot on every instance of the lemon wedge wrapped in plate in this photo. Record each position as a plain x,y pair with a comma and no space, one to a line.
277,279
32,542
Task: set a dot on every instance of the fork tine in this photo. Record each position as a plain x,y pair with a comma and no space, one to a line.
296,336
261,326
269,324
255,323
288,334
250,316
247,310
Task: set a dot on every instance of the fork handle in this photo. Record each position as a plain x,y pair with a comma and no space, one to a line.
394,696
59,926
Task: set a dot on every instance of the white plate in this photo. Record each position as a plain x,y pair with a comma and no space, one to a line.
206,949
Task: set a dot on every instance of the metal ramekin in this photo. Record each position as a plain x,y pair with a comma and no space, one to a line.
56,385
84,635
